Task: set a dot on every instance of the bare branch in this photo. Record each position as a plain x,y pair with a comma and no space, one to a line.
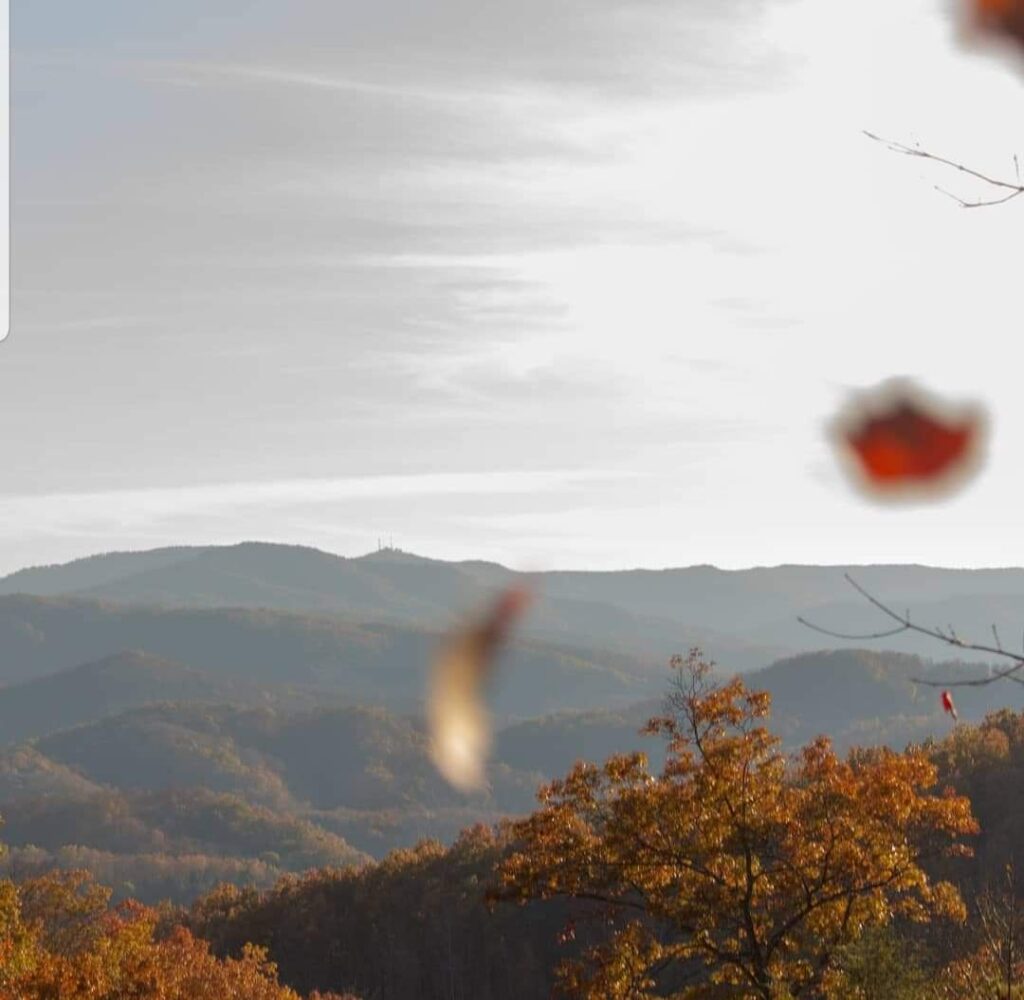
846,635
1012,189
983,203
904,624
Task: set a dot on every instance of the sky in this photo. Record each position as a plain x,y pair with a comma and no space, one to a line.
572,284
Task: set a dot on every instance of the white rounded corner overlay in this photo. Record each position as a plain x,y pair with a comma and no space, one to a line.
5,169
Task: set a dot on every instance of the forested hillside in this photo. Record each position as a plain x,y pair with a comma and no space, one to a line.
418,922
167,797
170,744
361,663
746,618
262,820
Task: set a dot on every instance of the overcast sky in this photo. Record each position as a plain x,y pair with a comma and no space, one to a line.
561,284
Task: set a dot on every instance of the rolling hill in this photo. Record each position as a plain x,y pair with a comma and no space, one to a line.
372,664
129,679
364,775
745,618
177,717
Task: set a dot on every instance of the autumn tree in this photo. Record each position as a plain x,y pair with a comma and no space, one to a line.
736,872
59,940
995,969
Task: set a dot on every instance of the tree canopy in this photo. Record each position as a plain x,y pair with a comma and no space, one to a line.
60,940
737,871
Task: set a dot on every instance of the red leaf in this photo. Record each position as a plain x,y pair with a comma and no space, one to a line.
900,442
1001,17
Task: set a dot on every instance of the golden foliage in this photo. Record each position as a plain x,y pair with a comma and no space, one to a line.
736,872
60,941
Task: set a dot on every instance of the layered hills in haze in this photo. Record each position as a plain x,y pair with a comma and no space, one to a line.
745,618
179,717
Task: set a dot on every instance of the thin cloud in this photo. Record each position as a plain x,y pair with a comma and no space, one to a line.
61,512
234,74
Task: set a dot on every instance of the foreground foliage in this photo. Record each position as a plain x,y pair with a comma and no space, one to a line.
414,925
59,940
854,856
736,871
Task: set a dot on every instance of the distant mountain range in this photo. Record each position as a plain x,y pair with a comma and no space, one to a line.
376,664
363,772
178,717
743,618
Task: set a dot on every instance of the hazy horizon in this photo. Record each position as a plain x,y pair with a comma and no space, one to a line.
393,546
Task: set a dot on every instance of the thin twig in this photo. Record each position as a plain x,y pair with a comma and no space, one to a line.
906,625
843,635
1013,188
983,203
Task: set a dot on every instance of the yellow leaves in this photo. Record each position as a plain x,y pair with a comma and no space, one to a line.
757,867
626,767
61,942
946,901
19,950
618,970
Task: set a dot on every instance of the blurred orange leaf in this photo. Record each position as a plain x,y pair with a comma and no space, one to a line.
1004,18
460,727
900,442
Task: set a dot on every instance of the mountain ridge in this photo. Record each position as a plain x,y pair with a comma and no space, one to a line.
743,617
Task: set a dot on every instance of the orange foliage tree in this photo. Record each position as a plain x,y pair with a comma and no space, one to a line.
59,940
736,872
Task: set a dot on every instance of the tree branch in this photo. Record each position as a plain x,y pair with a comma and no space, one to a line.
950,639
1012,189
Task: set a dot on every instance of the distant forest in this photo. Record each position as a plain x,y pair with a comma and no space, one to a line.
234,737
430,921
